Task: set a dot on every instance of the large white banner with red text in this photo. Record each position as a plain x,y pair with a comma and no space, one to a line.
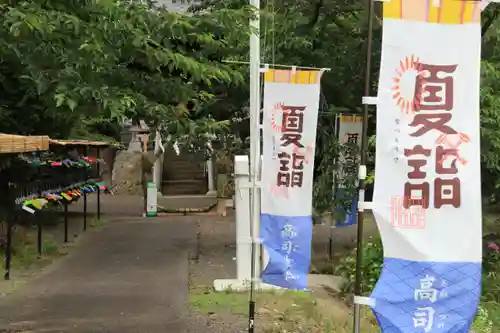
291,101
427,199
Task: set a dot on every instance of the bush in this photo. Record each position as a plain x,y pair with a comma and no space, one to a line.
482,323
491,269
371,267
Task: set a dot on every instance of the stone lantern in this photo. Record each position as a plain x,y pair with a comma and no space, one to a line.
140,133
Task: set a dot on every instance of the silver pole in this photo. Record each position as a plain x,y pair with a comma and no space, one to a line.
362,185
254,150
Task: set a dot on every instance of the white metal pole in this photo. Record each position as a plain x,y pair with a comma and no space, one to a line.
254,148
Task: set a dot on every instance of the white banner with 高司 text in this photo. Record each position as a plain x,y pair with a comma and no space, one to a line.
291,101
427,199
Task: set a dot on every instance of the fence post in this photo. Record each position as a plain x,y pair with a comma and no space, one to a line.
210,176
98,187
158,164
8,250
65,221
85,153
242,205
39,237
243,236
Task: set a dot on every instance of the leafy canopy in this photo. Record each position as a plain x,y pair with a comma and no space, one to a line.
72,67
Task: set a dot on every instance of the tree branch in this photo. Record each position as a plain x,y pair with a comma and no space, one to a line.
489,22
316,12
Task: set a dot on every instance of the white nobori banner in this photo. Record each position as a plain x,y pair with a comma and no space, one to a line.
427,199
291,101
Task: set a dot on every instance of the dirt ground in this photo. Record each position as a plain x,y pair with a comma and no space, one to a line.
217,246
215,259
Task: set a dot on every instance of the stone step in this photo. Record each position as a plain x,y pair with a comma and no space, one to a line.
183,167
179,176
184,172
184,187
192,164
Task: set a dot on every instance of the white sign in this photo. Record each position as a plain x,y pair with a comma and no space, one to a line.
152,199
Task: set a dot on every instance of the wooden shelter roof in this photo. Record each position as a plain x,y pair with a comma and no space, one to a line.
79,143
11,144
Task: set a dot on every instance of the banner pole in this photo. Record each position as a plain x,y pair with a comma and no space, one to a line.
254,151
362,171
334,192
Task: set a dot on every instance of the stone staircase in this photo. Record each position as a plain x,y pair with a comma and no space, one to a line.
183,175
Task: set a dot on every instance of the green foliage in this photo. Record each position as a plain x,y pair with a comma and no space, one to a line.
371,266
69,67
327,150
491,269
490,124
318,34
78,68
482,323
489,312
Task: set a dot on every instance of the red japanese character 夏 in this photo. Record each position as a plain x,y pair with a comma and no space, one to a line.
431,81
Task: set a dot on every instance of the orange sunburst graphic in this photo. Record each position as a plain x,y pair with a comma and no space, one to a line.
277,111
408,74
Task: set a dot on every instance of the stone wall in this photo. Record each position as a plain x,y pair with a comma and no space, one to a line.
127,173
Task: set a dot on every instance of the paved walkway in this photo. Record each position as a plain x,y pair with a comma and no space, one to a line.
130,277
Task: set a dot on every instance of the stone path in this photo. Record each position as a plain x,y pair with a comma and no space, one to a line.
130,277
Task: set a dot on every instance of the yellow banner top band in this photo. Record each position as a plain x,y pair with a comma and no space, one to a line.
434,11
293,77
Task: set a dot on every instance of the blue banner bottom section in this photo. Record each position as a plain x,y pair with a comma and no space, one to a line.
427,297
287,240
351,216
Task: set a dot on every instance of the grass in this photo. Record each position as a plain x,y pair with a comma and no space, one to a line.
208,302
25,253
284,311
25,259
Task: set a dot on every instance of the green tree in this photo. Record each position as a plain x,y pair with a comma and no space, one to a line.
81,66
320,34
332,34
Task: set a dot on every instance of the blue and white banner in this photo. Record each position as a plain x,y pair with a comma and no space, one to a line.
350,131
427,200
347,217
291,101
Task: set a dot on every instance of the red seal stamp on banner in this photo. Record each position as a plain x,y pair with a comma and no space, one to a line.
413,217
